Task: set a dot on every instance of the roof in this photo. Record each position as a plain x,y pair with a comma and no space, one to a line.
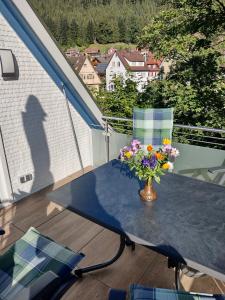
133,56
77,62
105,58
92,50
101,68
123,56
151,60
28,27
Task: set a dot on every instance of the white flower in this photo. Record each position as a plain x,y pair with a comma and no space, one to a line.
174,152
171,166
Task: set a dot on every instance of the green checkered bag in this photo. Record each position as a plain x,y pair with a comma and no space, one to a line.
138,292
151,126
29,258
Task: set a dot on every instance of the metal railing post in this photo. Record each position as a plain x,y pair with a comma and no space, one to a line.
107,139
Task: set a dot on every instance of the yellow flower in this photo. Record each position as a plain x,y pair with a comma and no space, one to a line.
149,148
165,166
128,154
166,142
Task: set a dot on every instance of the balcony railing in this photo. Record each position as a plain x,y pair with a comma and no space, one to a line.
193,135
209,137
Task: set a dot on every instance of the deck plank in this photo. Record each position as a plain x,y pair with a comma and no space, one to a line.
11,235
87,289
126,270
70,229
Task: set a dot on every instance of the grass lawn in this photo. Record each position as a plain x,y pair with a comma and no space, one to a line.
105,47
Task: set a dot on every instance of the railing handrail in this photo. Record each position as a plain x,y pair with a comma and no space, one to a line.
202,128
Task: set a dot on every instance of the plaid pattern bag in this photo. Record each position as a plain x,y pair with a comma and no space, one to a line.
30,257
138,292
151,126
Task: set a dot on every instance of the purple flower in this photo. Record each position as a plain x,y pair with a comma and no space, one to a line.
145,162
153,161
167,149
135,145
149,162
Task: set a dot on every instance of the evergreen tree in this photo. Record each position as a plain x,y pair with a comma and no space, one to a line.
73,31
122,30
118,15
104,33
90,35
63,30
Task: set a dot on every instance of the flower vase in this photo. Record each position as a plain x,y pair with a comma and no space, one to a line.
148,193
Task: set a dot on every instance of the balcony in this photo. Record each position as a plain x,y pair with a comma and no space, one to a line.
143,265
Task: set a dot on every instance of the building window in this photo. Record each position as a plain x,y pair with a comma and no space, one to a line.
85,65
111,87
118,64
90,76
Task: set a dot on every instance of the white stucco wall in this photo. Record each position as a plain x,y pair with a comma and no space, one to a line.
35,124
116,68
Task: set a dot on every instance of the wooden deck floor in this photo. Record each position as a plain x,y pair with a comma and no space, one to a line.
141,266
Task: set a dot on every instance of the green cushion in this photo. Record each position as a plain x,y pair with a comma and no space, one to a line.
30,257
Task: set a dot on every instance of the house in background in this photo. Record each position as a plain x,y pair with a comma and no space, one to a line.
72,52
154,66
37,142
111,51
101,65
85,69
93,52
127,64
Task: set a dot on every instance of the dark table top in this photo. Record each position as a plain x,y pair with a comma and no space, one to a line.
187,222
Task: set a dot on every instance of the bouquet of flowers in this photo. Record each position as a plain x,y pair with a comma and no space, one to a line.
151,163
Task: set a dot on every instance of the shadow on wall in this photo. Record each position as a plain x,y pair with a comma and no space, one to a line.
33,123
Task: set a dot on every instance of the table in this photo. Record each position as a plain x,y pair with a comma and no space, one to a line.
186,223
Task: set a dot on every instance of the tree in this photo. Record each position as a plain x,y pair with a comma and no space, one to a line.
133,30
74,31
122,30
90,35
121,101
63,30
190,34
104,33
101,13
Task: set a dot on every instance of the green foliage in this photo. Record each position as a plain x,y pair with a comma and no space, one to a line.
105,21
121,101
191,36
74,31
63,30
90,32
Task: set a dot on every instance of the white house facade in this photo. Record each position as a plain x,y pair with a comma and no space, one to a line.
127,65
37,142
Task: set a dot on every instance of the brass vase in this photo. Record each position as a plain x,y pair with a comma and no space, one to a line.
148,193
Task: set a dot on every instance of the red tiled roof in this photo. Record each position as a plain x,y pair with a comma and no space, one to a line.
92,50
133,55
122,55
153,61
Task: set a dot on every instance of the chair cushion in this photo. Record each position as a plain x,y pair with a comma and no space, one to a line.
30,257
138,292
151,126
117,294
